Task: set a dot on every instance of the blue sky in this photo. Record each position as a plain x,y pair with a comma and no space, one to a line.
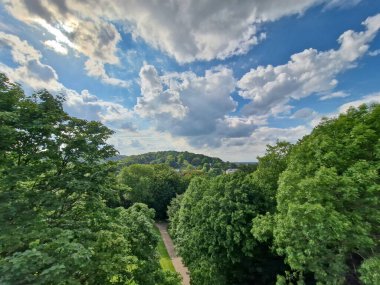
223,78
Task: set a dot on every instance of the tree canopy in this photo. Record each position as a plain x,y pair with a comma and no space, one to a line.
211,224
55,223
180,160
155,185
309,214
328,201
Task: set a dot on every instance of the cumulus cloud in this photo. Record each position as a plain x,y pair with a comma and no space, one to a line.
30,69
156,102
248,148
93,38
192,106
268,135
306,73
189,111
96,69
205,30
90,107
368,100
236,127
73,27
186,30
135,142
36,75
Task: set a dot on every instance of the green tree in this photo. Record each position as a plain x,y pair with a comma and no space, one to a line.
327,218
173,214
265,179
55,225
180,160
211,226
154,185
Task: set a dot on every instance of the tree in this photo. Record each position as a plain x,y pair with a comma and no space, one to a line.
173,214
211,226
179,160
154,185
327,218
55,225
313,206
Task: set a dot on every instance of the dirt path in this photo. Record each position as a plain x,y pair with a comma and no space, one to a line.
177,261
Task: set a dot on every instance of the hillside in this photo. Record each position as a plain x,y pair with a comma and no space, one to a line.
178,160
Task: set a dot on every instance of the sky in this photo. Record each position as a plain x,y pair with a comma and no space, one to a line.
218,77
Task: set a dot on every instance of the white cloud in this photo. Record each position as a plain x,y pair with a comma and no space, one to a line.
56,46
93,38
248,148
374,52
73,28
88,106
36,75
138,141
21,51
186,30
268,135
30,69
368,100
176,101
192,106
96,69
193,30
306,73
342,3
337,94
155,101
236,127
245,148
304,113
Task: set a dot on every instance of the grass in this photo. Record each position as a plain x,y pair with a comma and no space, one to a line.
165,261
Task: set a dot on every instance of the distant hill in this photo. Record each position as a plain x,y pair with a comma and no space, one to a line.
117,157
177,159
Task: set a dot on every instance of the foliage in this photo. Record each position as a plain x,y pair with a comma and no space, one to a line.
369,271
154,185
316,204
173,215
179,160
247,167
327,218
211,225
55,223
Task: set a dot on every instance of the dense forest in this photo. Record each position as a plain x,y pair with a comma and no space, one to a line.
309,213
179,160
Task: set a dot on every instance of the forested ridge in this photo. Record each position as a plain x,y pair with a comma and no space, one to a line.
177,159
309,213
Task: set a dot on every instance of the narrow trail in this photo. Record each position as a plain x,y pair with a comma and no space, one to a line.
177,261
